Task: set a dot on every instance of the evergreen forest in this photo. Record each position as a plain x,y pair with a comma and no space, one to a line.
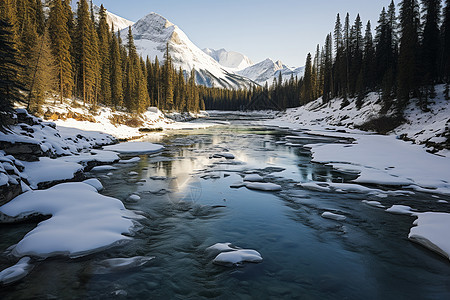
76,55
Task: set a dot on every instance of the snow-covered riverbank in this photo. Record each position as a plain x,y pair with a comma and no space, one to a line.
383,160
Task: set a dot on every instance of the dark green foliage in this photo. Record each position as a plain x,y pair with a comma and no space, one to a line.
9,66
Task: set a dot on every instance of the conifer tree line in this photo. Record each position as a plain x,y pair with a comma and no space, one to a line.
76,55
408,55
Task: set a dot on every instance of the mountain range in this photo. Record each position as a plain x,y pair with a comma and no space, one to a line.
213,68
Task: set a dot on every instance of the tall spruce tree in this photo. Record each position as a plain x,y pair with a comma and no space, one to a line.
60,46
104,58
115,72
445,58
10,86
429,53
168,80
307,87
86,50
408,56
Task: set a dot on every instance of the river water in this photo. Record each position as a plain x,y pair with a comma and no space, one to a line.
188,203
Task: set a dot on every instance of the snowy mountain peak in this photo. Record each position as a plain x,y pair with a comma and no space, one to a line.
229,59
266,70
153,33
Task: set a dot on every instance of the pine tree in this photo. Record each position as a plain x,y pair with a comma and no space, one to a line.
115,72
104,57
327,73
430,48
86,54
409,43
445,58
60,46
44,73
307,87
168,80
368,66
10,86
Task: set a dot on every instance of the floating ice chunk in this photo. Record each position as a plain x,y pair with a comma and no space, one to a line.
82,222
222,247
120,264
400,210
442,201
133,173
103,168
95,183
253,178
131,160
237,257
223,155
135,147
263,186
373,203
134,198
16,272
432,231
332,216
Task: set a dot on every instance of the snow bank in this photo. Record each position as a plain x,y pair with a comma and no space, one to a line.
135,147
82,221
432,231
49,170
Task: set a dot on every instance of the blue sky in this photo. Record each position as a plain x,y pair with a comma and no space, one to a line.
283,30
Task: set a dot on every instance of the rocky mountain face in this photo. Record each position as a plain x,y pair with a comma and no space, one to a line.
153,33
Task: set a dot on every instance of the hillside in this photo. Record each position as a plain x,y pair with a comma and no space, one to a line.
431,129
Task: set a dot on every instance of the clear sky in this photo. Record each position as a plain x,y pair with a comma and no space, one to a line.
283,30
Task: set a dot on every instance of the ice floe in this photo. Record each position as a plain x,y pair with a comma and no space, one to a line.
135,147
103,168
253,178
233,256
400,210
131,160
16,272
333,216
373,203
432,231
120,264
82,221
237,257
263,186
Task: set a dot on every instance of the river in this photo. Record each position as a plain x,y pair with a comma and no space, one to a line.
188,203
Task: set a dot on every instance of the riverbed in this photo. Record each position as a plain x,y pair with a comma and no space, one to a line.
192,200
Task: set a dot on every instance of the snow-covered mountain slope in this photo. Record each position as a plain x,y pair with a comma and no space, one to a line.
153,33
229,59
265,71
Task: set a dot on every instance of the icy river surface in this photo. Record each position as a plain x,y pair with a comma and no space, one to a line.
193,199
